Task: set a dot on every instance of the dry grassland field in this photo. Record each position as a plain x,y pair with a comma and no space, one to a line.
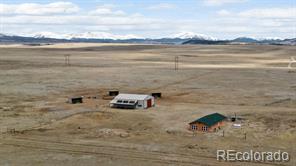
38,127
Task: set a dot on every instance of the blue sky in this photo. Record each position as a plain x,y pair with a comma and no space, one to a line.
151,18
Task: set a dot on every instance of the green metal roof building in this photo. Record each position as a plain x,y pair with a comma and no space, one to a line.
209,122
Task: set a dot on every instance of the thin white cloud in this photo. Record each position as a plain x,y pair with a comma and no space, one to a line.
161,6
106,10
222,2
38,9
224,12
259,22
82,20
105,16
270,13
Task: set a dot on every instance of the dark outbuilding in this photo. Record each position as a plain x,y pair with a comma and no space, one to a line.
75,100
113,92
156,95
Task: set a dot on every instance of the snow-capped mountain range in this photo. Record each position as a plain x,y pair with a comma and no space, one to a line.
105,35
179,38
86,35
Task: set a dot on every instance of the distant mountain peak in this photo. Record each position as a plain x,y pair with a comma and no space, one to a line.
245,39
192,35
259,39
102,35
270,38
46,35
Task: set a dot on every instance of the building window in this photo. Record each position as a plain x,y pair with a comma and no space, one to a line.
193,127
204,128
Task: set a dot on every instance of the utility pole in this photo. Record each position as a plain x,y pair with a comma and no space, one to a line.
67,60
176,63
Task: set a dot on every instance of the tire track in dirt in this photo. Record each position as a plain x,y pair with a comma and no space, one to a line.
181,81
116,152
102,151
